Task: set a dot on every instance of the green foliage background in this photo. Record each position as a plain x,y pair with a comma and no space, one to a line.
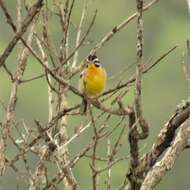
165,25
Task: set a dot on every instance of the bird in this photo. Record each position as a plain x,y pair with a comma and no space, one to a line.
92,80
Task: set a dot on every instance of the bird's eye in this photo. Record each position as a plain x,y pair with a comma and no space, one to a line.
97,64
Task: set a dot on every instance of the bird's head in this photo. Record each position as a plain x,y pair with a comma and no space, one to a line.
93,62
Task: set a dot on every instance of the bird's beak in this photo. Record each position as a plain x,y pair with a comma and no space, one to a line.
90,65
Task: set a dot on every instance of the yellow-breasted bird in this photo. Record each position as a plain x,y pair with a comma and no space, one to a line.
92,80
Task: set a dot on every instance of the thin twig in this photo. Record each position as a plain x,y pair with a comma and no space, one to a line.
50,94
79,34
120,26
17,76
108,176
146,69
26,22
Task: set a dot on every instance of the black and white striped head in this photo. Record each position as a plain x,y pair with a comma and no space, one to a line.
93,59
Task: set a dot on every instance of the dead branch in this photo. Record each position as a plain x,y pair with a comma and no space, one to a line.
34,10
166,163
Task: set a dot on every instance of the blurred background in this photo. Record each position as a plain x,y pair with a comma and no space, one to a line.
166,25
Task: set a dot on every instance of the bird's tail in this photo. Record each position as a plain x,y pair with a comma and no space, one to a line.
83,107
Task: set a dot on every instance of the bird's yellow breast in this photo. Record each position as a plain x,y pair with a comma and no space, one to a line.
93,80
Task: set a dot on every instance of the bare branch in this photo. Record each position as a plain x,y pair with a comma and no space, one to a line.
79,34
26,22
139,70
166,135
117,28
10,113
50,94
166,163
146,69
